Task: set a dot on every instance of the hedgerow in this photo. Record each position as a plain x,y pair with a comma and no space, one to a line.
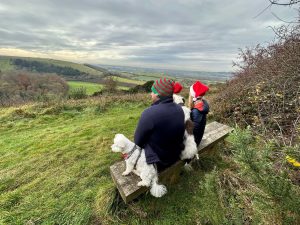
265,91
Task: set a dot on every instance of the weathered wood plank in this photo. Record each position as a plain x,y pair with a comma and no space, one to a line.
127,185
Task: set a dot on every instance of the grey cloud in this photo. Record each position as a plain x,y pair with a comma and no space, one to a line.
202,34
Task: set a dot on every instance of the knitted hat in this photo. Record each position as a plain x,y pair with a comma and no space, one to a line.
165,87
198,89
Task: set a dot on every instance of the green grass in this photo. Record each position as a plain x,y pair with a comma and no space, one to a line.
126,80
5,64
52,166
54,169
91,88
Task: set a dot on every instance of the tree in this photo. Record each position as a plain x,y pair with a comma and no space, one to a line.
24,81
110,85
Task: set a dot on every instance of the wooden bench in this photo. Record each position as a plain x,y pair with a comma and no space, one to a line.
127,185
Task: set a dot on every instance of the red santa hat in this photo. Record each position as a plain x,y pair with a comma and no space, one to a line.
198,89
177,87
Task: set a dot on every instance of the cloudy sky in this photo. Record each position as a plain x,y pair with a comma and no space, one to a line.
176,34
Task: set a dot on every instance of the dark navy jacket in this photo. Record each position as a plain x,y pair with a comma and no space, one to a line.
160,132
199,119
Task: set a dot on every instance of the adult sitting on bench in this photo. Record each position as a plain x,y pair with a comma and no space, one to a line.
160,130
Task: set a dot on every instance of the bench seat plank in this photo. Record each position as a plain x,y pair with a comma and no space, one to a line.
127,185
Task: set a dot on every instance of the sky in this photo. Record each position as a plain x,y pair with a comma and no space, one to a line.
203,35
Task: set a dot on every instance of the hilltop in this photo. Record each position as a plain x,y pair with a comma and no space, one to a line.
68,70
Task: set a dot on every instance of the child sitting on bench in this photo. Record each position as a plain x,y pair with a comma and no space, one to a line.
199,109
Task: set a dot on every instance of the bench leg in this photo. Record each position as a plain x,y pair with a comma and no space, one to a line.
171,176
175,177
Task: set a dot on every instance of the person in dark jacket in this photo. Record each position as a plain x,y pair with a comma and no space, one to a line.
199,109
160,130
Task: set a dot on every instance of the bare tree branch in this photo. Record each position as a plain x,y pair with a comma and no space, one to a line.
277,17
262,11
291,2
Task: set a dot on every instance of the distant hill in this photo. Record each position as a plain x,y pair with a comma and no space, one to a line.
68,70
96,73
153,73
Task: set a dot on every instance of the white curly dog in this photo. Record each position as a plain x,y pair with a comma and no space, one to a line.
136,162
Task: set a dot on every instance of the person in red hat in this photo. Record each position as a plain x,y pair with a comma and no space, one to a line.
160,130
199,109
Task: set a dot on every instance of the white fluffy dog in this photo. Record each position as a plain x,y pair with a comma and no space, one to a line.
136,162
190,149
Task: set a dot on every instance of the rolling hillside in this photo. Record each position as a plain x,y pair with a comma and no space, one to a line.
75,72
66,69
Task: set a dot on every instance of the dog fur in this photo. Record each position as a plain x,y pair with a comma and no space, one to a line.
190,149
137,159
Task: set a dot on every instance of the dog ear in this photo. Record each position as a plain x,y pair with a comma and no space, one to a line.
116,148
189,126
120,140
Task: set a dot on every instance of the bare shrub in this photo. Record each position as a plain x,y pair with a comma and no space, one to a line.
19,86
265,92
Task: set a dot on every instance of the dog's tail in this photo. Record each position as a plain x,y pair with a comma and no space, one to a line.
157,190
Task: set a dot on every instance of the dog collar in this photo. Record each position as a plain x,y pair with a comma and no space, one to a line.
127,155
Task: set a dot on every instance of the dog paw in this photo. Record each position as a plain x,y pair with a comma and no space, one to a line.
125,173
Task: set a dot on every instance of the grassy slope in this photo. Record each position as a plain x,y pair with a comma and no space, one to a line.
4,61
91,87
53,166
54,169
126,80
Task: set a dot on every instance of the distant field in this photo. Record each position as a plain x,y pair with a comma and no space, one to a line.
91,88
5,65
126,80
